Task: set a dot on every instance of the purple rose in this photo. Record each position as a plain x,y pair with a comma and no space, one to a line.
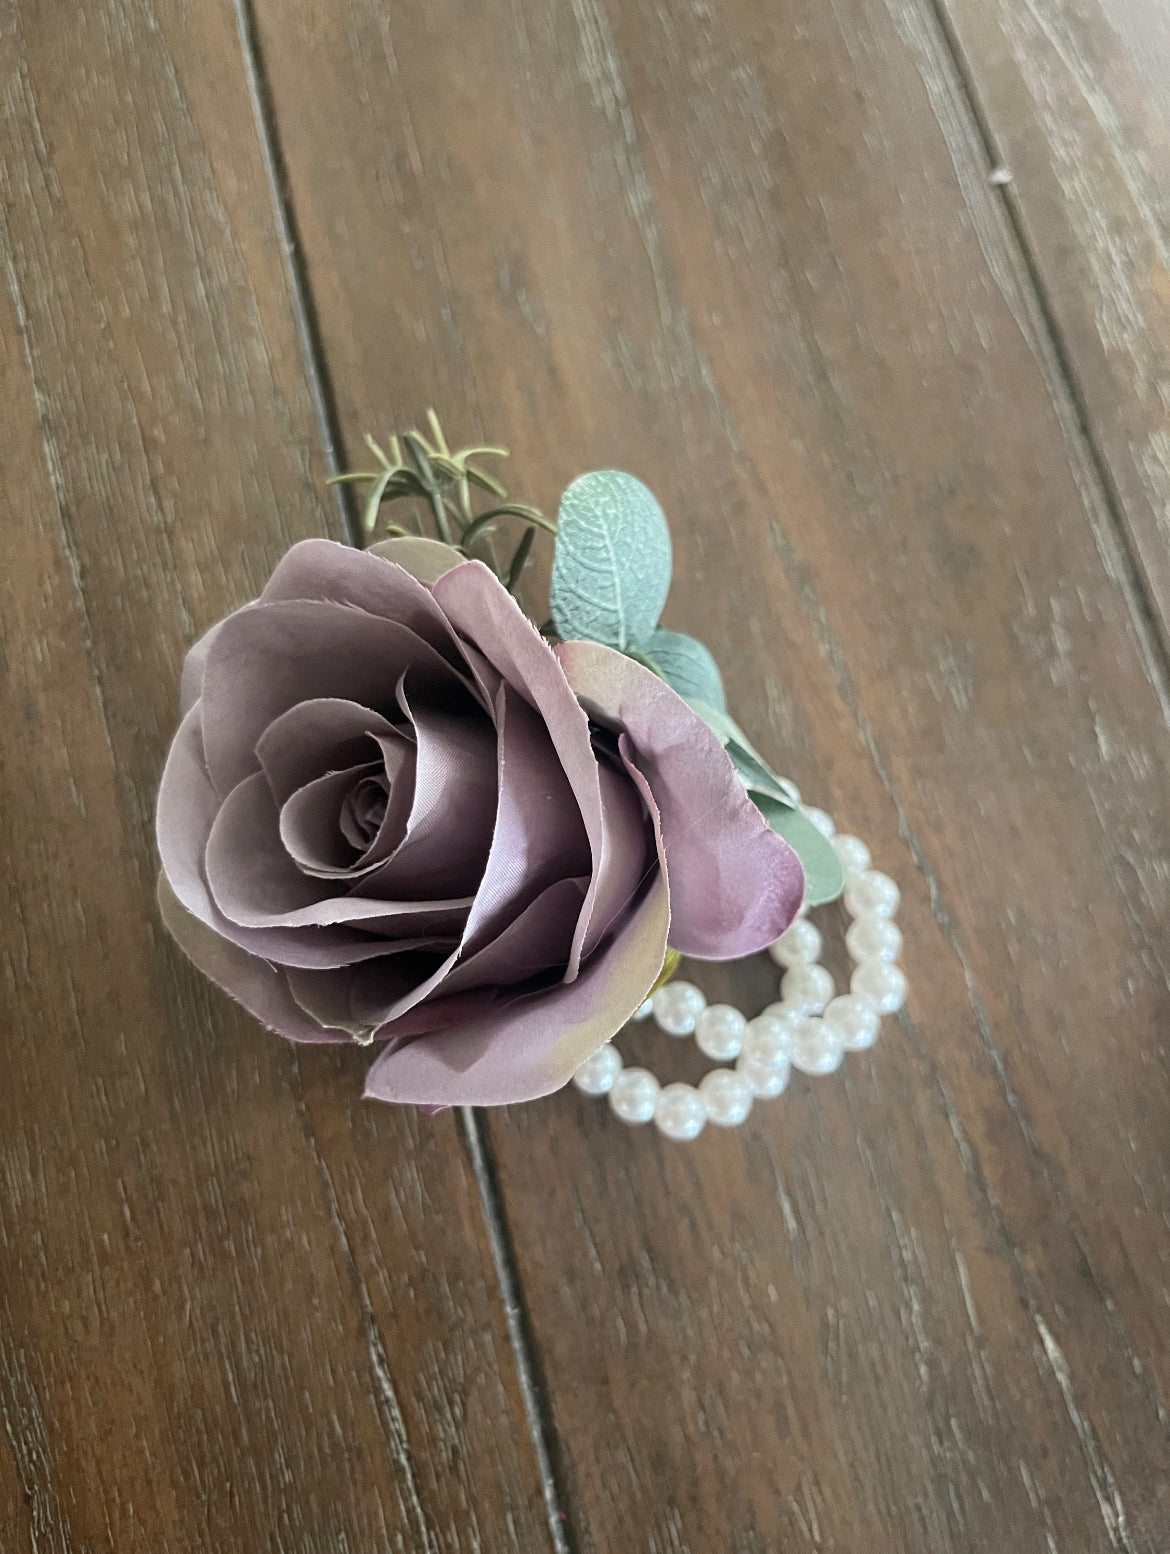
392,811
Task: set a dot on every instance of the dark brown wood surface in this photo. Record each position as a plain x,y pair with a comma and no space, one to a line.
910,427
1074,101
238,1310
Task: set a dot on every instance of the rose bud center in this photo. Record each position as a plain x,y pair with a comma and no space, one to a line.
363,810
352,817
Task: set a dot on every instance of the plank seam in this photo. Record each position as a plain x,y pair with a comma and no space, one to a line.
1101,1477
948,927
1153,629
533,1387
386,1402
305,316
530,1380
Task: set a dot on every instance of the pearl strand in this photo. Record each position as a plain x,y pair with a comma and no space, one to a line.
810,1028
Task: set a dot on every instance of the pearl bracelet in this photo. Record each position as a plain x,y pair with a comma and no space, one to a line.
808,1029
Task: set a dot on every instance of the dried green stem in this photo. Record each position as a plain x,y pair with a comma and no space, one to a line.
516,570
426,469
487,520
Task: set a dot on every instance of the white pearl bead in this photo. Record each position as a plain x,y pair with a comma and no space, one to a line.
855,1020
874,938
677,1006
727,1097
880,982
807,989
808,1028
769,1038
799,945
871,891
719,1031
816,1048
597,1074
766,1079
852,853
633,1094
679,1112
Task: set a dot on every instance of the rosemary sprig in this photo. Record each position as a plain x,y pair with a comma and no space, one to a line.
441,480
486,522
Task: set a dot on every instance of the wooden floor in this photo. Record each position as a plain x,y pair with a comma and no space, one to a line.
911,423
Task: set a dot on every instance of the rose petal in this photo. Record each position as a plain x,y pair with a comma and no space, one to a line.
250,980
438,1015
537,841
316,736
312,821
628,854
538,836
390,984
479,606
395,797
191,680
424,559
525,1049
328,996
735,885
255,883
323,569
538,940
427,560
268,657
309,824
428,1018
187,808
449,829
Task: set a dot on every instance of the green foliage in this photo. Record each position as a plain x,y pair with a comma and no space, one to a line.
438,482
754,772
686,666
611,562
823,875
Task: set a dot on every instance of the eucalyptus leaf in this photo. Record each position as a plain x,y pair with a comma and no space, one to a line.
719,720
758,778
686,666
611,561
824,878
754,772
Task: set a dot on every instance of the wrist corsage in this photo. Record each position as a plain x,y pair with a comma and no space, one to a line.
398,812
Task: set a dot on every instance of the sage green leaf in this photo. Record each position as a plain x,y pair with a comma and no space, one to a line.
686,666
758,778
824,879
754,772
720,720
611,561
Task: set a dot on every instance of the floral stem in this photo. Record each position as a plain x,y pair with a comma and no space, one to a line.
514,509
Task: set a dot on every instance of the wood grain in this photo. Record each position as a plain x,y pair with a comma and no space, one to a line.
1074,100
238,1310
756,259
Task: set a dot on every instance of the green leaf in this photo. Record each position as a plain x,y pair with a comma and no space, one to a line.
754,772
611,561
824,878
686,666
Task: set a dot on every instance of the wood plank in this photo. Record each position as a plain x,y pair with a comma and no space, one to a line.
754,258
238,1309
1075,103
